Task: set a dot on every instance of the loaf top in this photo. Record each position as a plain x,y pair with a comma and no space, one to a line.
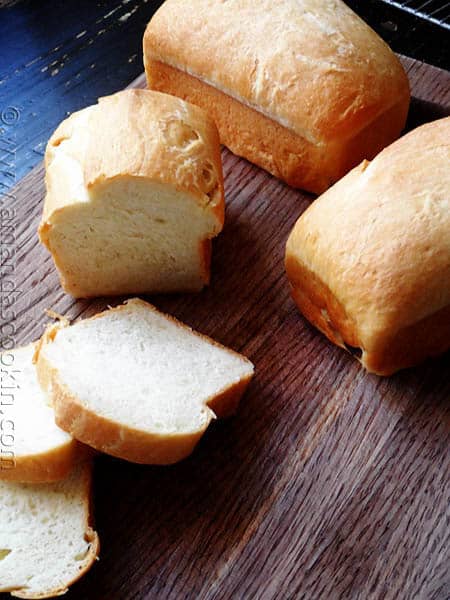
134,133
311,65
380,238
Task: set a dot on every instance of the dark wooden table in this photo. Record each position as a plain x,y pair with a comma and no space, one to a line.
330,483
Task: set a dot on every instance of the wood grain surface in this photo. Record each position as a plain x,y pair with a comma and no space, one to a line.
330,483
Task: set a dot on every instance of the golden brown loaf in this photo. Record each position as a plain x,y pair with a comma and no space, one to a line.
303,88
134,196
369,261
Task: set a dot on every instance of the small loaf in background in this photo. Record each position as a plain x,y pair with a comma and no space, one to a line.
369,261
303,88
134,196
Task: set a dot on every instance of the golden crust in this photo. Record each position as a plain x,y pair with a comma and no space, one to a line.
407,347
369,261
158,137
272,54
46,467
90,536
272,146
137,133
121,441
312,67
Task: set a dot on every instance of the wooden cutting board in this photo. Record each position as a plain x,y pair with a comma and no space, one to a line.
329,483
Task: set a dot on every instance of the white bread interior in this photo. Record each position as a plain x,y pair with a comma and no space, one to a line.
46,539
138,384
369,261
134,196
34,448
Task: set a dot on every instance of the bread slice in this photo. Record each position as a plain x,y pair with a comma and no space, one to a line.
134,196
138,384
369,261
32,447
46,539
302,88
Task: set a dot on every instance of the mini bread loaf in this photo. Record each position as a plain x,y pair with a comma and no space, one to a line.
33,448
369,261
303,88
134,196
46,536
138,384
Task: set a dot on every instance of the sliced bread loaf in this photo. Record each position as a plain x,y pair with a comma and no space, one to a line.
32,447
134,196
46,539
138,384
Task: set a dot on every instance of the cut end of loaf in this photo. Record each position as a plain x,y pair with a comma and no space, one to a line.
134,196
133,236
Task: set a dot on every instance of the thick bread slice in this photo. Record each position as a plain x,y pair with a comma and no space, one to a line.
46,539
369,261
134,196
303,88
138,384
32,447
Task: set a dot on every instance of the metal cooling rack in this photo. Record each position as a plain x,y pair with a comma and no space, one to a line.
436,11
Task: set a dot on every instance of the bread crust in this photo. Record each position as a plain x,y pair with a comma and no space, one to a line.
122,441
409,346
266,143
90,535
136,133
311,67
45,467
369,261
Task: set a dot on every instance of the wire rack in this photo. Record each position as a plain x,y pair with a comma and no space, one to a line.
436,11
